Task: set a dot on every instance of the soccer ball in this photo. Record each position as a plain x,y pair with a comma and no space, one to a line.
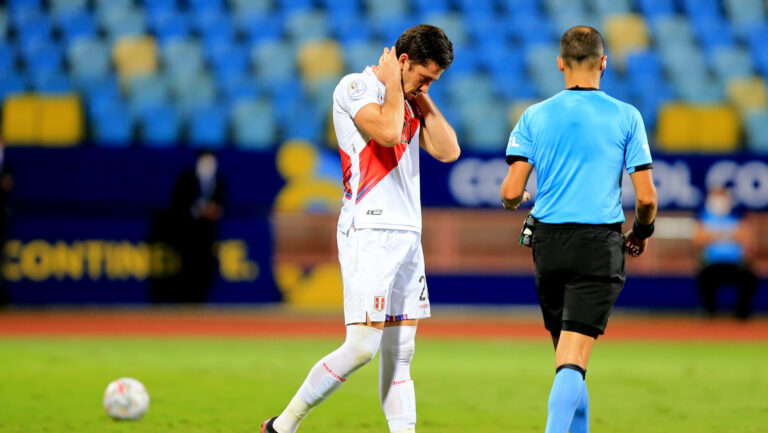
126,398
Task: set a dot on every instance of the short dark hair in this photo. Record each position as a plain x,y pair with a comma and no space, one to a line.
425,43
580,44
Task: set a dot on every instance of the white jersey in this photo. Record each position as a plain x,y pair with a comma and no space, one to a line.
381,184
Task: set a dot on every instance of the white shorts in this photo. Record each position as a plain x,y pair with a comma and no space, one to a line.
383,275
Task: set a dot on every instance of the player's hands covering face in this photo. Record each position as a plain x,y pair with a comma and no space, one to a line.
388,67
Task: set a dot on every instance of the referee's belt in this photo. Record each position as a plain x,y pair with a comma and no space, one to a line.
613,227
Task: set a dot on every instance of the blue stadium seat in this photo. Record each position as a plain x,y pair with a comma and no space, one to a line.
430,6
484,7
182,56
712,31
469,87
160,126
216,29
59,7
525,7
381,8
88,58
99,93
206,5
253,125
683,60
3,25
349,27
42,57
238,89
309,128
607,7
75,24
697,8
359,55
259,27
643,66
120,23
295,5
274,61
566,20
731,62
147,91
570,7
160,4
301,25
389,27
757,35
11,82
169,24
761,60
614,84
285,97
672,30
7,57
229,62
252,6
452,24
485,125
757,131
192,91
34,28
486,29
51,82
531,29
208,126
465,62
113,125
699,89
20,4
656,8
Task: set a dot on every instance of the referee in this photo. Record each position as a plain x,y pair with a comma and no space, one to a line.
579,140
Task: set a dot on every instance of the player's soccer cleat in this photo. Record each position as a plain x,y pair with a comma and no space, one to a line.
266,426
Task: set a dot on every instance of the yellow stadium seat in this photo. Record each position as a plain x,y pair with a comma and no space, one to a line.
135,56
43,120
625,33
748,93
319,60
691,128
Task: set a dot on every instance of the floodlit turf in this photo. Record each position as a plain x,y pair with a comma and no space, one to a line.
230,385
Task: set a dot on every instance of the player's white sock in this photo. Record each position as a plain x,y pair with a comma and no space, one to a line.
396,391
328,374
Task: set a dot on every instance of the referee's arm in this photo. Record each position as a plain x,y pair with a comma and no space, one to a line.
513,191
646,201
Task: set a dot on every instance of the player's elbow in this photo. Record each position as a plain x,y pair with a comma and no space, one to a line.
388,137
648,200
450,156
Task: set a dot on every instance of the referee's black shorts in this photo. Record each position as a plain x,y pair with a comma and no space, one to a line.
579,275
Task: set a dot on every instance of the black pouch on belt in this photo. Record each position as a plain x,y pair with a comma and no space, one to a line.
526,234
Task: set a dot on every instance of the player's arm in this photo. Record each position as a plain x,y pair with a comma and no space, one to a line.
384,123
646,203
513,191
436,135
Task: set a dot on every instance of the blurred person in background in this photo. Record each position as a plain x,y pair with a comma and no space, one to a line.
191,229
726,243
6,186
382,117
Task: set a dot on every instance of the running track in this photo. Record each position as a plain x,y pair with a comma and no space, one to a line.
271,323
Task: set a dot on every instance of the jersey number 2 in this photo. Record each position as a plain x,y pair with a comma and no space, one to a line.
424,293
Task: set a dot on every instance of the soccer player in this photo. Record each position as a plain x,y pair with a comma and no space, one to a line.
382,116
580,140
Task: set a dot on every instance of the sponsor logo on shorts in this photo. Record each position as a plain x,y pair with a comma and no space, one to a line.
374,212
378,303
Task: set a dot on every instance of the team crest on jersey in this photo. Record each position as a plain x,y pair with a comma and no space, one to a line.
378,303
357,88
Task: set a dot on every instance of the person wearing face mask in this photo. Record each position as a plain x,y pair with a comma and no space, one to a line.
725,243
196,208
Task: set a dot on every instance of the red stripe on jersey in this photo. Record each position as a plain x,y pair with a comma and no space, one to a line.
377,161
346,170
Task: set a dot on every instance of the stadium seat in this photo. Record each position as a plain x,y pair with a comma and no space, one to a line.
51,83
134,56
731,62
643,66
3,25
698,8
253,125
359,55
99,93
302,26
572,7
7,56
347,29
381,8
486,30
59,7
747,94
259,27
611,7
124,23
252,6
757,131
50,120
244,87
41,57
208,126
744,14
146,91
656,8
672,30
294,5
320,59
192,91
182,56
689,128
113,125
563,21
229,62
159,126
11,82
531,29
452,24
477,85
713,32
76,24
88,58
467,7
430,6
309,128
624,34
486,126
170,24
274,61
216,29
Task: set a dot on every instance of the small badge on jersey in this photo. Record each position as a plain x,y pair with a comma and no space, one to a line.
373,212
357,88
378,303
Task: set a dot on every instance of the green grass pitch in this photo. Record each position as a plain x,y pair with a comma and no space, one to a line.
230,385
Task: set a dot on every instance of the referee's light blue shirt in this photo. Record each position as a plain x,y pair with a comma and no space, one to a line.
580,141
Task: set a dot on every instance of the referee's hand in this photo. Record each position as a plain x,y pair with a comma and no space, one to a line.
635,246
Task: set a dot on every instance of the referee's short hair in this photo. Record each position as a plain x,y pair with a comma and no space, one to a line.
425,43
581,44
